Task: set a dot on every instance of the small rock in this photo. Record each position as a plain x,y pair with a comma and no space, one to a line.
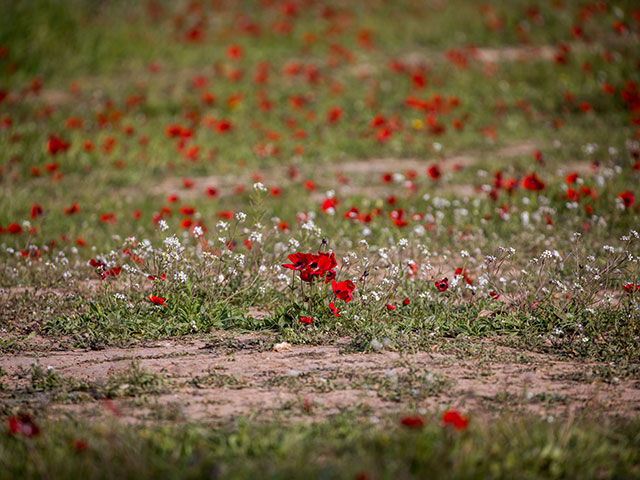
375,345
281,347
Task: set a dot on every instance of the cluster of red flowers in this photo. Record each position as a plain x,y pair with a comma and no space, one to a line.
451,418
321,266
103,271
23,424
311,266
631,287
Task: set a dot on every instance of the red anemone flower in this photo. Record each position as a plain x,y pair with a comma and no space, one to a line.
532,182
70,210
306,320
14,228
334,115
442,285
55,145
322,263
36,210
455,419
343,290
300,261
413,422
434,172
23,424
157,300
628,198
631,287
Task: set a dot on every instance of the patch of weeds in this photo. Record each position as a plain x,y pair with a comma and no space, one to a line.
104,321
166,411
57,387
217,380
412,385
133,382
230,344
296,380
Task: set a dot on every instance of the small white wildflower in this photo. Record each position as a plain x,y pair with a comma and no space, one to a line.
293,243
198,231
255,237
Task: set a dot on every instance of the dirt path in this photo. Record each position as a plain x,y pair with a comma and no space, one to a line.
226,377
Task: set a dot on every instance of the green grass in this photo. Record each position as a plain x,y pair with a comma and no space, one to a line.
544,271
335,448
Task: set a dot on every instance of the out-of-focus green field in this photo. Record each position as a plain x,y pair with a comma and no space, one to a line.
385,178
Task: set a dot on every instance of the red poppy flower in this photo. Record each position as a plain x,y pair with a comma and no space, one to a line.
234,52
157,300
343,290
631,287
390,307
455,419
112,272
14,228
461,271
418,80
108,218
300,261
223,126
334,115
187,210
405,302
306,320
23,424
96,263
334,309
55,145
36,210
322,263
532,182
329,203
353,213
413,422
442,285
434,172
571,178
79,445
71,209
628,198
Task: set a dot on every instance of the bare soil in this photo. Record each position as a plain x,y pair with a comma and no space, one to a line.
227,376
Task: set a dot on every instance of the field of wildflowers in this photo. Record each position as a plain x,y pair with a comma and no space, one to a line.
304,238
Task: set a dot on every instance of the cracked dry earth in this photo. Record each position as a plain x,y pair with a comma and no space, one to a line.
224,377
